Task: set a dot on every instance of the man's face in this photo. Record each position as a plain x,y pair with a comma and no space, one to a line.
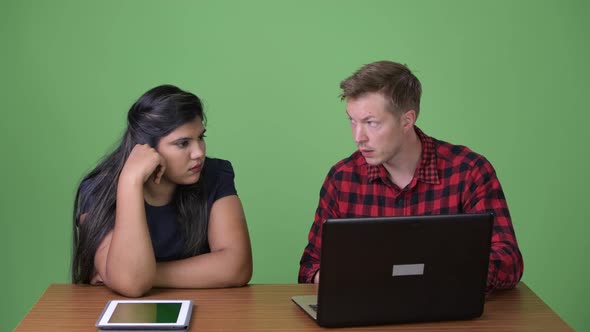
378,133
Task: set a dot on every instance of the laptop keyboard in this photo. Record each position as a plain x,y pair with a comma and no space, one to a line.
314,307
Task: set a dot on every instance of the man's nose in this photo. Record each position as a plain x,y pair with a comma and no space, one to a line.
359,134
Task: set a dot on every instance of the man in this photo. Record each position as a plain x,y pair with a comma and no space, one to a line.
398,171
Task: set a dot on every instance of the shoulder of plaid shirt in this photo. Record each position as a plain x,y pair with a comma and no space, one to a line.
449,179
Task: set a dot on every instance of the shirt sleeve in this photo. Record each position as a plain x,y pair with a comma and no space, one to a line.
327,208
220,180
485,194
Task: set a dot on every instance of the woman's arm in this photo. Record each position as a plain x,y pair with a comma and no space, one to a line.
125,259
229,264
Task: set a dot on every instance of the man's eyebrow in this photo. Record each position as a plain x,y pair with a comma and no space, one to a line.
370,117
365,119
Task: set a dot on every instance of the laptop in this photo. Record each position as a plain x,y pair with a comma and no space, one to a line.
383,270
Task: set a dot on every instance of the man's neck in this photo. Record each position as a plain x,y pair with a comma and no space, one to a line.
401,169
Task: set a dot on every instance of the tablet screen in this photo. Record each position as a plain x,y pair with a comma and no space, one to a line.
146,313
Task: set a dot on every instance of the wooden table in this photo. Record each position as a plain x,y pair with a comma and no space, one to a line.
269,308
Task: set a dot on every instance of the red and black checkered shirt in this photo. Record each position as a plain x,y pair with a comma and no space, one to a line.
450,179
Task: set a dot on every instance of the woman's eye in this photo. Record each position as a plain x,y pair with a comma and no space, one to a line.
202,137
182,144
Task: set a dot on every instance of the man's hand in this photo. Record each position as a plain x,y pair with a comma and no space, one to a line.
316,278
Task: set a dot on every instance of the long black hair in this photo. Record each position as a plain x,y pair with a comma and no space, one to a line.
154,115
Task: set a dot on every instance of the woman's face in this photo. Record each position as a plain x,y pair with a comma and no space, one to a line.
184,152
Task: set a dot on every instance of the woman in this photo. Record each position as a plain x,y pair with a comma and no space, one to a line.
156,212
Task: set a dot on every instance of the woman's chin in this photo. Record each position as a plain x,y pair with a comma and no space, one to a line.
191,179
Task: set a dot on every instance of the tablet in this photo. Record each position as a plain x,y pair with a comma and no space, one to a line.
145,315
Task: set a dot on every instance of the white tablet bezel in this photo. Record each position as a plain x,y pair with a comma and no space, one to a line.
182,321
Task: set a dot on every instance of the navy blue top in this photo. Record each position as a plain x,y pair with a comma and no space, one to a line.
218,177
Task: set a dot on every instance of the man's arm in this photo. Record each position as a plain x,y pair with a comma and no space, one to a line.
484,194
327,208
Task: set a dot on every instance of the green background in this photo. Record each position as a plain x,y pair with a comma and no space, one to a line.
506,78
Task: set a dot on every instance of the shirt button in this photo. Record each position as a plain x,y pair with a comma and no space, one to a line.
400,202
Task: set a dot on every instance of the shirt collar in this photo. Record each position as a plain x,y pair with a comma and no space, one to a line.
426,171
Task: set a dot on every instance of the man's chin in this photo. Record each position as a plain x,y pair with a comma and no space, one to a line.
373,161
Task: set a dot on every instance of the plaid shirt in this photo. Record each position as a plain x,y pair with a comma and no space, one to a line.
449,179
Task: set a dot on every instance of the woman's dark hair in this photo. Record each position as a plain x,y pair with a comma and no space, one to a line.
157,113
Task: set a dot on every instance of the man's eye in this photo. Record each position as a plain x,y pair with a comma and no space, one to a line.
372,123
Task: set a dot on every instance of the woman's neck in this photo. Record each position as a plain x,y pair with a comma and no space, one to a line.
158,194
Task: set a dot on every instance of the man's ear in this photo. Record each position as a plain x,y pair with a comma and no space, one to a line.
408,119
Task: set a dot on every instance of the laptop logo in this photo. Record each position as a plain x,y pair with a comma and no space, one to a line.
408,270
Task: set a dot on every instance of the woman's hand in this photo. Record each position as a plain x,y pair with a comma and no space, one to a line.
143,163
